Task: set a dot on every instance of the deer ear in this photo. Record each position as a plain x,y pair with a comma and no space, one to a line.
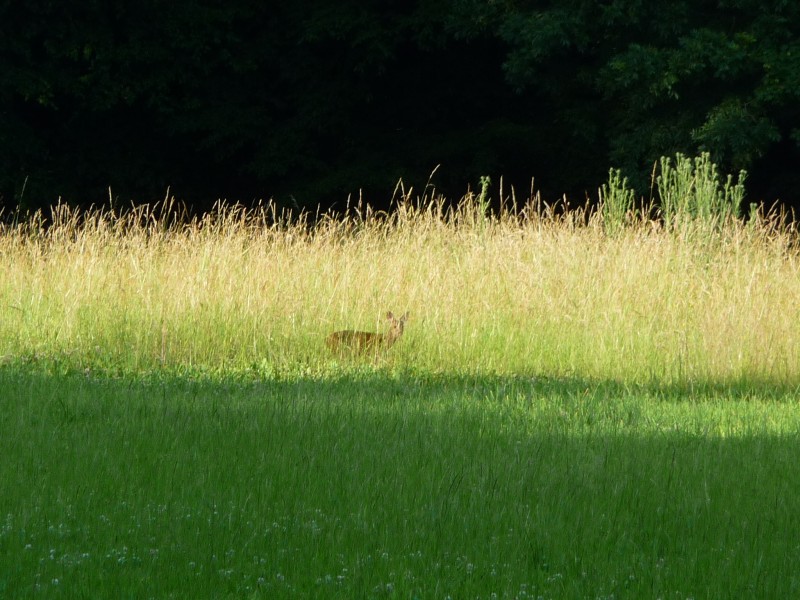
404,317
390,315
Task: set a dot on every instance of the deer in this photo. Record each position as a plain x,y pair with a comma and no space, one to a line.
366,341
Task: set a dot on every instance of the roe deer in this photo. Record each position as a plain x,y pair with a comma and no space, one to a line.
363,341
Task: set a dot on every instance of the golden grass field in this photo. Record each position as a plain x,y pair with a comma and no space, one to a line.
516,293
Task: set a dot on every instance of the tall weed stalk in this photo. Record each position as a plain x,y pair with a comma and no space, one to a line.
616,202
690,190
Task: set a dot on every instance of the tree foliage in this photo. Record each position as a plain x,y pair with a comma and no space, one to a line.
310,101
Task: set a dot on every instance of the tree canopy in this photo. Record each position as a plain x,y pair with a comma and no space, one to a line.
309,101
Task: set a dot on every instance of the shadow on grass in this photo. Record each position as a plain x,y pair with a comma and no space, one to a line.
366,380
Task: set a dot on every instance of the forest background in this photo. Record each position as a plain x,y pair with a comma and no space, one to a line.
311,102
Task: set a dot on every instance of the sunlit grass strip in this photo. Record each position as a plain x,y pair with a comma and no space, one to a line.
528,293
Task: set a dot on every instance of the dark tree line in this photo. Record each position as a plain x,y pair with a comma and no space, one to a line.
309,101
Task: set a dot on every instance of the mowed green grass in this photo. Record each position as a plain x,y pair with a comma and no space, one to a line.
388,483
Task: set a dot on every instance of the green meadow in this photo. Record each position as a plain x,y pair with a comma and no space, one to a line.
582,405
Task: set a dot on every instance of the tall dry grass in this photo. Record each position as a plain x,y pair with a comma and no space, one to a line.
519,293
